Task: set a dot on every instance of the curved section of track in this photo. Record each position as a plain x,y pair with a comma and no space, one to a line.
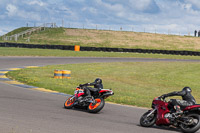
30,111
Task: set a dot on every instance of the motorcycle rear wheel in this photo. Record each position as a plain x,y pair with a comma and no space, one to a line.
69,103
191,128
97,106
147,122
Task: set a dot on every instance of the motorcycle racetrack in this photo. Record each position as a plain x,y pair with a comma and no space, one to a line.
24,110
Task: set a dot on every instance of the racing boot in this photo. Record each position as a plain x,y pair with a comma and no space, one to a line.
88,98
178,112
178,109
92,100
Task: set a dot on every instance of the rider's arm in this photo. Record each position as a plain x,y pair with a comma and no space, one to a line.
175,93
87,84
90,84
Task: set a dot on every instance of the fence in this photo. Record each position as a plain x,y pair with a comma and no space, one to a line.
29,32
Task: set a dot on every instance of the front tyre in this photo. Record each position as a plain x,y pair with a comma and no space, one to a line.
192,124
148,121
69,102
99,104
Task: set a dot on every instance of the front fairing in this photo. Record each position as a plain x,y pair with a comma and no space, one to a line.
162,109
78,92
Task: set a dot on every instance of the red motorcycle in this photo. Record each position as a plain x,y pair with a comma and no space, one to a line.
93,105
161,115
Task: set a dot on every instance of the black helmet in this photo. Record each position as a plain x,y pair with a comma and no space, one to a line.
98,81
188,89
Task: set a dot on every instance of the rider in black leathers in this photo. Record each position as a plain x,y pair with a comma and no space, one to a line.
97,87
187,98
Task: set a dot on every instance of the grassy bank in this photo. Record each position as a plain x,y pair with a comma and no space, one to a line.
106,38
64,53
133,83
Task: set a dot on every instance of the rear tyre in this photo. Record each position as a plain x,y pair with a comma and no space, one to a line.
194,124
147,121
69,103
94,108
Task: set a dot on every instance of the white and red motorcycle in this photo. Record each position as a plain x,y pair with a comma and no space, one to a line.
93,105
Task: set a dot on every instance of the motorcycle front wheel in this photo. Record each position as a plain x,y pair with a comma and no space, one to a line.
192,124
147,121
99,104
69,102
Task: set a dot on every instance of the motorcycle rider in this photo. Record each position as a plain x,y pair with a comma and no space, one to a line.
187,99
97,87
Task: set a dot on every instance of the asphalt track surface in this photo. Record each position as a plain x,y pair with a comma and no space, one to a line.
25,110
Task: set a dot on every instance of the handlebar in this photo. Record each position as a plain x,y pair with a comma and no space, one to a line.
82,85
161,98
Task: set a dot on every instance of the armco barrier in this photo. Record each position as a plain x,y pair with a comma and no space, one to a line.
104,49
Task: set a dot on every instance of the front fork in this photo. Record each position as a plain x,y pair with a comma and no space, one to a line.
74,99
151,112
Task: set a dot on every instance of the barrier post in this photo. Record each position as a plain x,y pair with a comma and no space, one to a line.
76,48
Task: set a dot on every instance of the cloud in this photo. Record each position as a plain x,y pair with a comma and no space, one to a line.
141,4
90,9
186,7
2,32
147,6
11,9
79,0
15,13
117,7
35,2
6,29
162,14
195,3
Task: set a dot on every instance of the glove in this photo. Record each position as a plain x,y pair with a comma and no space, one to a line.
163,96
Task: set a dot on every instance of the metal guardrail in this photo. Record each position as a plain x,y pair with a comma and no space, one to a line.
104,49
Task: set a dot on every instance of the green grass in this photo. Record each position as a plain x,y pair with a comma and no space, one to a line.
105,38
18,30
133,83
15,32
65,53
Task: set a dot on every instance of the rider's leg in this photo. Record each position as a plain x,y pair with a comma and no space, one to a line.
176,106
87,92
181,104
178,109
172,104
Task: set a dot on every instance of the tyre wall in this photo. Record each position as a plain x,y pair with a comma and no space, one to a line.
104,49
